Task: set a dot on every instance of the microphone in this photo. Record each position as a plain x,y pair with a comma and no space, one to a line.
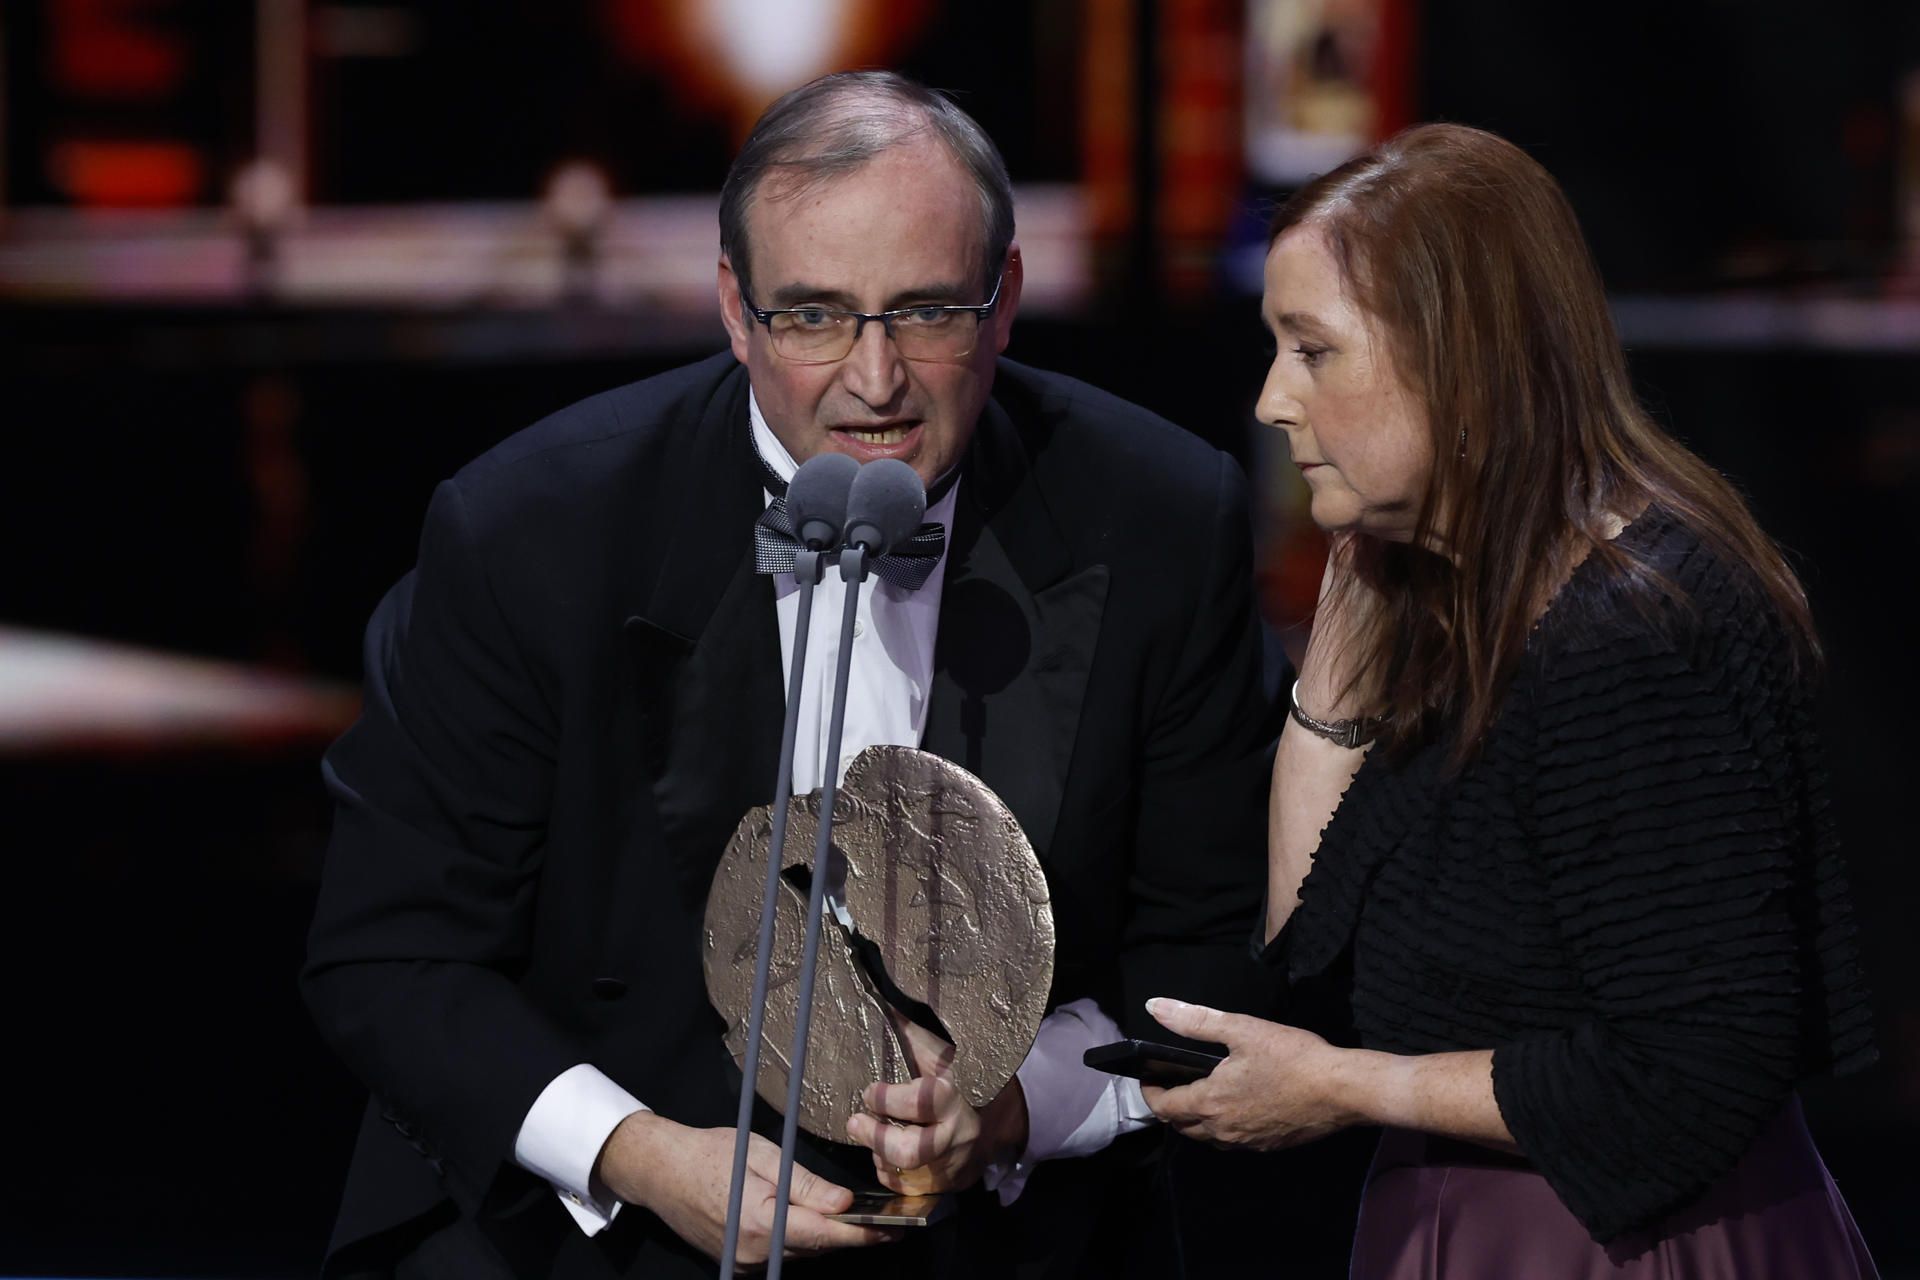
817,499
885,506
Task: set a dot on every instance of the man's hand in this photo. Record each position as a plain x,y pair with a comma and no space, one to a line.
1270,1093
682,1175
937,1142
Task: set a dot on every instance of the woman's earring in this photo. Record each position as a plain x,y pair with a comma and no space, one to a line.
1463,442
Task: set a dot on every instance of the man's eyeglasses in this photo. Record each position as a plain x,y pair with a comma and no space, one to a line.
822,335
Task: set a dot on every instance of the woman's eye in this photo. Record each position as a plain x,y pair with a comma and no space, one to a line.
1309,355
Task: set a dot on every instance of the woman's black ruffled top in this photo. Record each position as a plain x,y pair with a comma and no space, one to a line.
1633,894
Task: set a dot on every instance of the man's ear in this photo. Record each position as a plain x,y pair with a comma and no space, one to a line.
732,313
1009,304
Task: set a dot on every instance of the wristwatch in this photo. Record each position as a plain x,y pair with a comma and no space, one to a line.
1351,734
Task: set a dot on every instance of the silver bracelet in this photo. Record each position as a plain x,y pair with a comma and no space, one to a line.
1351,734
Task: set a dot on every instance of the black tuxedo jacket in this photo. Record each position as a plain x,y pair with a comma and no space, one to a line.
576,694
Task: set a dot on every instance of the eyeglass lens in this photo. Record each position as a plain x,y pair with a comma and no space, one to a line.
822,335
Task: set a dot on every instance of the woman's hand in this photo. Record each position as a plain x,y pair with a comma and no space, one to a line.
1273,1090
1281,1086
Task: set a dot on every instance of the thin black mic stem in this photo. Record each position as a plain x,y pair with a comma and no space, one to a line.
808,567
853,570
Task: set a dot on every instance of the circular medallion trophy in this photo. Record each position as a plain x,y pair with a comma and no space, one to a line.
937,914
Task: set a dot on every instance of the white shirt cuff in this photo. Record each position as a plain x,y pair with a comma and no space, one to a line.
562,1135
1072,1110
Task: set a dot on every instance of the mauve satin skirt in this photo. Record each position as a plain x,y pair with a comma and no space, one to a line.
1441,1210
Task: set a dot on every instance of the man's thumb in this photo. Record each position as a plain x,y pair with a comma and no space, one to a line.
816,1193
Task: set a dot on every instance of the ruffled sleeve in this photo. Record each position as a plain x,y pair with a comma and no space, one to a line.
1671,836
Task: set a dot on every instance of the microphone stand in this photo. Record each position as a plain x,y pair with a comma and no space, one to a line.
809,567
853,571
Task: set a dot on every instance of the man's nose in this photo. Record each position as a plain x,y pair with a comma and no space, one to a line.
874,370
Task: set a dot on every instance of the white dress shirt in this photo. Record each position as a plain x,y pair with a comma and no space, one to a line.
1072,1110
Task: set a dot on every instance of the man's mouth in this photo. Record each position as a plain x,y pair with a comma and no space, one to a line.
893,439
880,435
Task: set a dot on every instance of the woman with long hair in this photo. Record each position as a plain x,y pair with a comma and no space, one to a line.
1549,817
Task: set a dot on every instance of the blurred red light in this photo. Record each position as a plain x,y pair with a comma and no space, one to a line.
118,174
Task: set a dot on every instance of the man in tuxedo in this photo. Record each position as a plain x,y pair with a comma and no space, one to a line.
578,692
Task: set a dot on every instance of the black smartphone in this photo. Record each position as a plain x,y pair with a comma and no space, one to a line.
1161,1064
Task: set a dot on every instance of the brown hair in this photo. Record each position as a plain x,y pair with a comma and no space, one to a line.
837,124
1466,251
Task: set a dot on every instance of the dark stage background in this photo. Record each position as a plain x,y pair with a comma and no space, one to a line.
269,271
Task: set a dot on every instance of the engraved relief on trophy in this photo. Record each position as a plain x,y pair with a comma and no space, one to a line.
937,913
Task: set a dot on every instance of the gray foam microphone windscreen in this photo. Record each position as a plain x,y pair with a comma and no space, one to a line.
817,499
885,505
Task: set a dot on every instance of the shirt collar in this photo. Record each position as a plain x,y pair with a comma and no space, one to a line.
772,452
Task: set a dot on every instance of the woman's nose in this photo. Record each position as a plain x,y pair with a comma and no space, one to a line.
1275,407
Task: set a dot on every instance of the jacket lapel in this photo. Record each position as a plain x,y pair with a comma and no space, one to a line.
1017,635
704,650
1018,627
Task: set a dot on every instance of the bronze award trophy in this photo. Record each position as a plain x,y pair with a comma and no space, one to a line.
937,913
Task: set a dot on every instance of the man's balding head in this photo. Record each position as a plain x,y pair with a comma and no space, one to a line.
837,124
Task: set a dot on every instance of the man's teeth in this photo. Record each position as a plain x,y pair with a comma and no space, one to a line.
891,435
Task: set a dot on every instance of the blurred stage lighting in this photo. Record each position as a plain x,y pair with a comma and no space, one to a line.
65,695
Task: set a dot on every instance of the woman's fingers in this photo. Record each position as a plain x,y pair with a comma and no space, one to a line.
1196,1021
1177,1107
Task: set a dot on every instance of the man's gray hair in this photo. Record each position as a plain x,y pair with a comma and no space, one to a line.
835,125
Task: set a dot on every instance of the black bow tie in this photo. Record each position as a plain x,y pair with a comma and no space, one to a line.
907,566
